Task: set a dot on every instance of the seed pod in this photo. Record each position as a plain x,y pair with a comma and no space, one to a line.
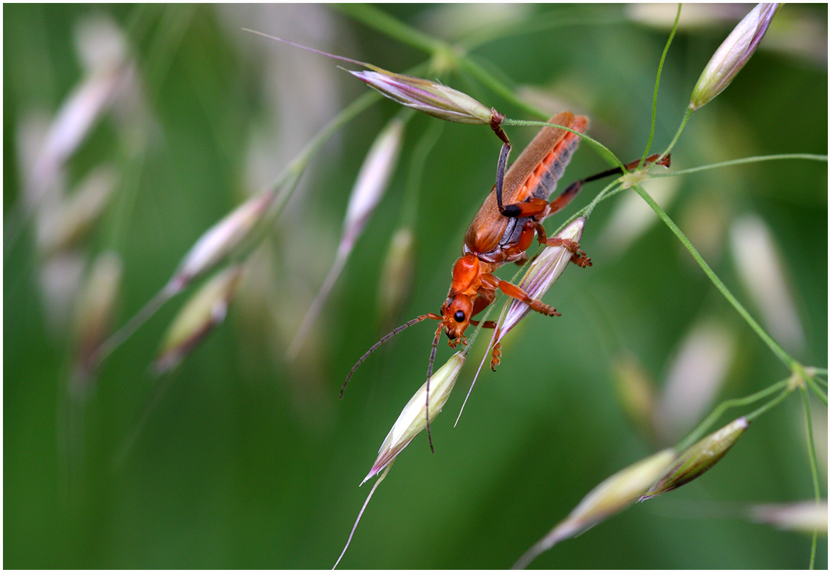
413,418
609,497
427,96
206,309
732,55
542,274
219,241
698,458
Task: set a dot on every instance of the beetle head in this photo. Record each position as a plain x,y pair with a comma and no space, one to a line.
455,314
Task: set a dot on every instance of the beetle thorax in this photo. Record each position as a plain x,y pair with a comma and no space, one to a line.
465,275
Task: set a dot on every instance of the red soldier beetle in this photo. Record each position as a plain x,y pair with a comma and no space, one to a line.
503,230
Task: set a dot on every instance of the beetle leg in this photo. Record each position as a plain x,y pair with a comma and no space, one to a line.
503,155
484,299
532,207
578,257
515,252
573,189
564,198
517,293
529,230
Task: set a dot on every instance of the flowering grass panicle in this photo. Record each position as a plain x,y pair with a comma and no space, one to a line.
369,188
197,318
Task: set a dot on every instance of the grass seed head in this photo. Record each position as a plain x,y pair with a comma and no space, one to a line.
63,225
635,390
732,54
542,273
427,96
413,419
807,516
96,308
372,181
611,496
396,276
204,311
220,240
698,458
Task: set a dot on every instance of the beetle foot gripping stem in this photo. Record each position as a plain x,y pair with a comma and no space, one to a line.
581,260
495,124
536,305
496,360
542,308
578,256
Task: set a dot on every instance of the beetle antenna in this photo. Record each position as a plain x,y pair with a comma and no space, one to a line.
429,375
384,339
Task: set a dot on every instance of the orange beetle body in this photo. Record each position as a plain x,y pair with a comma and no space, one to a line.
504,227
503,230
501,233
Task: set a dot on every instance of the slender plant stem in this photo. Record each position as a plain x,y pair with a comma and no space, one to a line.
608,192
611,189
706,424
744,161
383,22
537,23
603,150
811,451
686,116
497,86
815,386
817,392
769,405
773,345
417,166
811,445
657,85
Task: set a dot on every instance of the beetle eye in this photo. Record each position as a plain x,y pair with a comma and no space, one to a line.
459,316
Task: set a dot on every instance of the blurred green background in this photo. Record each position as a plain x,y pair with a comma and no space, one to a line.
241,458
